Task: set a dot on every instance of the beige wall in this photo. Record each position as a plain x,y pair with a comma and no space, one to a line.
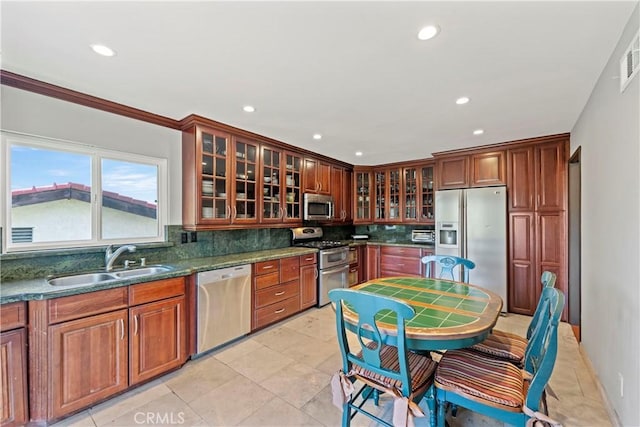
39,115
608,130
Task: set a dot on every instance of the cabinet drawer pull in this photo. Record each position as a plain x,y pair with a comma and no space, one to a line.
266,267
279,293
309,259
279,311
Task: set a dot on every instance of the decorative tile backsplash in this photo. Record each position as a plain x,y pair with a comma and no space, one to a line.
209,243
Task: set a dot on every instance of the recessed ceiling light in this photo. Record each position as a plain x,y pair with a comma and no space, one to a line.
428,32
249,108
317,136
103,50
358,153
462,100
478,132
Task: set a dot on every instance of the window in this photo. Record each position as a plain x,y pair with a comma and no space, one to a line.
62,194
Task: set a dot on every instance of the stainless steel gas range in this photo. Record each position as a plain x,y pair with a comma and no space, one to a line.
333,260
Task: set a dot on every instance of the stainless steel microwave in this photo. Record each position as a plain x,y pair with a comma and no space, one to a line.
317,207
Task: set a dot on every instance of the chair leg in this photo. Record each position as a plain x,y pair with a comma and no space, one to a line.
442,407
454,410
346,415
431,404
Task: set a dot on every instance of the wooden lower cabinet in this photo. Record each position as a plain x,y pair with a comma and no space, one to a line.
400,261
85,348
13,378
308,281
88,361
157,338
372,259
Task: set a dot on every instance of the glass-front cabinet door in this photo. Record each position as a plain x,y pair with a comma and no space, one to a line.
213,206
395,190
387,203
427,196
271,185
410,198
292,201
362,196
245,182
380,188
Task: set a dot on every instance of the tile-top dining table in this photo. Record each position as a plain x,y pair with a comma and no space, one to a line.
449,314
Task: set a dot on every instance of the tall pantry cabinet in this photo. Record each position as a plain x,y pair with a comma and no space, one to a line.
537,183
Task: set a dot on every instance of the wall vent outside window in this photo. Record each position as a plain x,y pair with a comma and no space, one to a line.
22,234
630,62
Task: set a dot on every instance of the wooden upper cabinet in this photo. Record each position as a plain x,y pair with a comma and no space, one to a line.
551,176
488,169
317,176
521,178
536,176
362,196
206,173
453,172
341,193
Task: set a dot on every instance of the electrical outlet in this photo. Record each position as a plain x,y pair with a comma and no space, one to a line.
184,238
621,378
194,236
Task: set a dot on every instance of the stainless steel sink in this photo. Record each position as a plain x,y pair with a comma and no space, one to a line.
83,279
143,271
90,279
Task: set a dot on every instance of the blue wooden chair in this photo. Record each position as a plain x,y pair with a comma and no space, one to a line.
509,346
380,367
497,388
447,264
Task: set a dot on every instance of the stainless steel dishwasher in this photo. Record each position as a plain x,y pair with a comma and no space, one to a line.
224,306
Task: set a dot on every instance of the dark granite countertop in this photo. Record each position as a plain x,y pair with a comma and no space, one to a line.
390,242
39,289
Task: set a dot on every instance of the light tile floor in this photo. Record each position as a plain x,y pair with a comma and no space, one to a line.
280,377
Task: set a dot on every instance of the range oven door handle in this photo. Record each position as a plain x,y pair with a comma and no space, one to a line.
338,269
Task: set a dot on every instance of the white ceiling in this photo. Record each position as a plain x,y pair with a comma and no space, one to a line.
353,71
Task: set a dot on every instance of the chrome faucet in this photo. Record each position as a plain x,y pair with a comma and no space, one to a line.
110,256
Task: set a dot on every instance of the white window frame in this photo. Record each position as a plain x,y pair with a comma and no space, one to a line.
96,154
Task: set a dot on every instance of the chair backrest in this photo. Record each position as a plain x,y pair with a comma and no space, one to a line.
548,280
542,348
368,306
447,263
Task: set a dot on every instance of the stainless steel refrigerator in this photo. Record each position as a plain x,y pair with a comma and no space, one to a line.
472,224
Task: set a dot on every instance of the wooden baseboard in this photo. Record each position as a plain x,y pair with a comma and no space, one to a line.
576,331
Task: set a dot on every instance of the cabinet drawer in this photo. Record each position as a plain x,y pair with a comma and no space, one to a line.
308,259
401,251
289,269
277,311
277,293
13,315
401,265
266,267
155,291
267,280
83,305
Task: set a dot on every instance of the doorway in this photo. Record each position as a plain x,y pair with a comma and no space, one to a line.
574,243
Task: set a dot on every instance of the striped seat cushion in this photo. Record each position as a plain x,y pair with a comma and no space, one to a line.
481,378
421,369
503,345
